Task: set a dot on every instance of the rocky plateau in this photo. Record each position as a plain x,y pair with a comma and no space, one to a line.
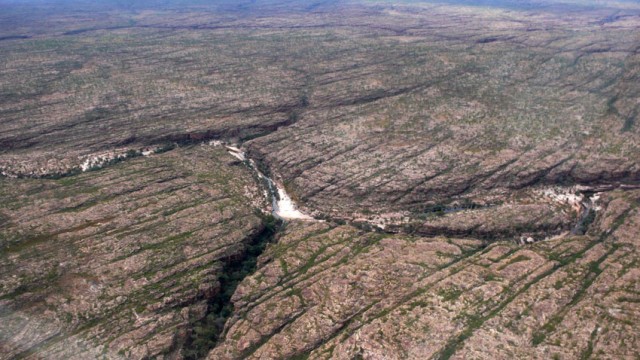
331,179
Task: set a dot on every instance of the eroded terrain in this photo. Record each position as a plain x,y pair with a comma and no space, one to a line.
336,292
122,260
468,174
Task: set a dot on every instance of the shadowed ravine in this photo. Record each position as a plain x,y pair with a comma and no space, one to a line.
459,179
205,333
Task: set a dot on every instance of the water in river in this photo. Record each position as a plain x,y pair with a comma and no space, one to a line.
283,206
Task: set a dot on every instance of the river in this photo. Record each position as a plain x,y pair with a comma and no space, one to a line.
283,206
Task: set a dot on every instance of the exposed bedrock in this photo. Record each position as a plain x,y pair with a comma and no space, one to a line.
125,260
326,292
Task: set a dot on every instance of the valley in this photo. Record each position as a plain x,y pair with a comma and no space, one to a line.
279,179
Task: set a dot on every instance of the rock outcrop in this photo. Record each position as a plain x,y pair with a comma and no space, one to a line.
474,167
121,261
326,292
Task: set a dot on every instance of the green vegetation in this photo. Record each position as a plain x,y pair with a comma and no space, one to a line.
514,260
629,122
206,331
438,120
584,223
451,294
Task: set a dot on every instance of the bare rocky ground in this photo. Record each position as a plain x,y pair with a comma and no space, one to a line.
454,150
326,292
120,261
